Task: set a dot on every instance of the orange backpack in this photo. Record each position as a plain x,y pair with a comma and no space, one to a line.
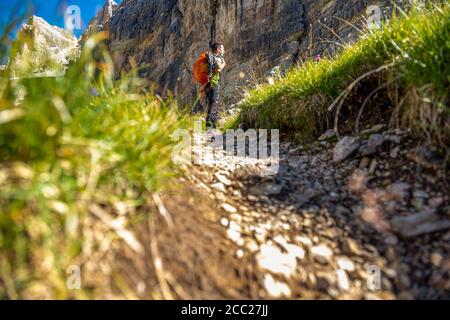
202,68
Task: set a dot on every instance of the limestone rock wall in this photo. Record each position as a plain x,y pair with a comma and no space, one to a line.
167,36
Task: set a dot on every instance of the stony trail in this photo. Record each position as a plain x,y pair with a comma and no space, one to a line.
372,226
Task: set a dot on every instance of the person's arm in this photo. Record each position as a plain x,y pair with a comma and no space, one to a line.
219,67
222,65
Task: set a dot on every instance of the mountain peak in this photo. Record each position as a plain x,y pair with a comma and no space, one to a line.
101,19
47,47
41,25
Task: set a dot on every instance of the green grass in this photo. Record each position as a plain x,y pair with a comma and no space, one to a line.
64,151
418,46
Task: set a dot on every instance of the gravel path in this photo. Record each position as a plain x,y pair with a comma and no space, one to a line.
362,218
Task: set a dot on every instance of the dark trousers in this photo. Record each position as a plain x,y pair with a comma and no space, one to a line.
212,104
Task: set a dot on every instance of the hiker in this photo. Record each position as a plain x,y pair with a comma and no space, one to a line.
207,72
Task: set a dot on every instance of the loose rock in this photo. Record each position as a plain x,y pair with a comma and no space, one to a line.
345,148
322,253
419,224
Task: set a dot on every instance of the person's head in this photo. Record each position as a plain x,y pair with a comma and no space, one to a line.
218,47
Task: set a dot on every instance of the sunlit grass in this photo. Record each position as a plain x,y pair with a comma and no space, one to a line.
417,44
80,156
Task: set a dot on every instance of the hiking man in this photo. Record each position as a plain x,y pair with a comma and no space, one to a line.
207,71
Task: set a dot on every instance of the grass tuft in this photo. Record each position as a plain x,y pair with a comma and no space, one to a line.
80,157
416,47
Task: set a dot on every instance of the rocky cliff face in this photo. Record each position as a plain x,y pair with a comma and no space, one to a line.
101,20
168,35
46,48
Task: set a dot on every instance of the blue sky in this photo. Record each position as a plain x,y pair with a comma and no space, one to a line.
52,10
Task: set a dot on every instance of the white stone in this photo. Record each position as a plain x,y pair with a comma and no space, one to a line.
321,253
229,208
276,289
223,179
272,259
345,263
342,279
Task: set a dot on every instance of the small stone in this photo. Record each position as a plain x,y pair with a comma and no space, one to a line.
237,193
399,191
236,217
269,189
229,208
446,237
330,133
307,223
342,280
224,222
391,273
251,246
404,280
351,247
394,152
234,235
322,253
373,144
436,259
304,241
59,207
357,182
345,263
330,233
271,258
373,166
223,179
446,265
240,253
219,186
310,193
275,288
436,202
420,194
377,143
324,281
365,161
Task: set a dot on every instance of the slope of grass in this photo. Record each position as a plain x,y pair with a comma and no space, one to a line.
412,53
80,157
